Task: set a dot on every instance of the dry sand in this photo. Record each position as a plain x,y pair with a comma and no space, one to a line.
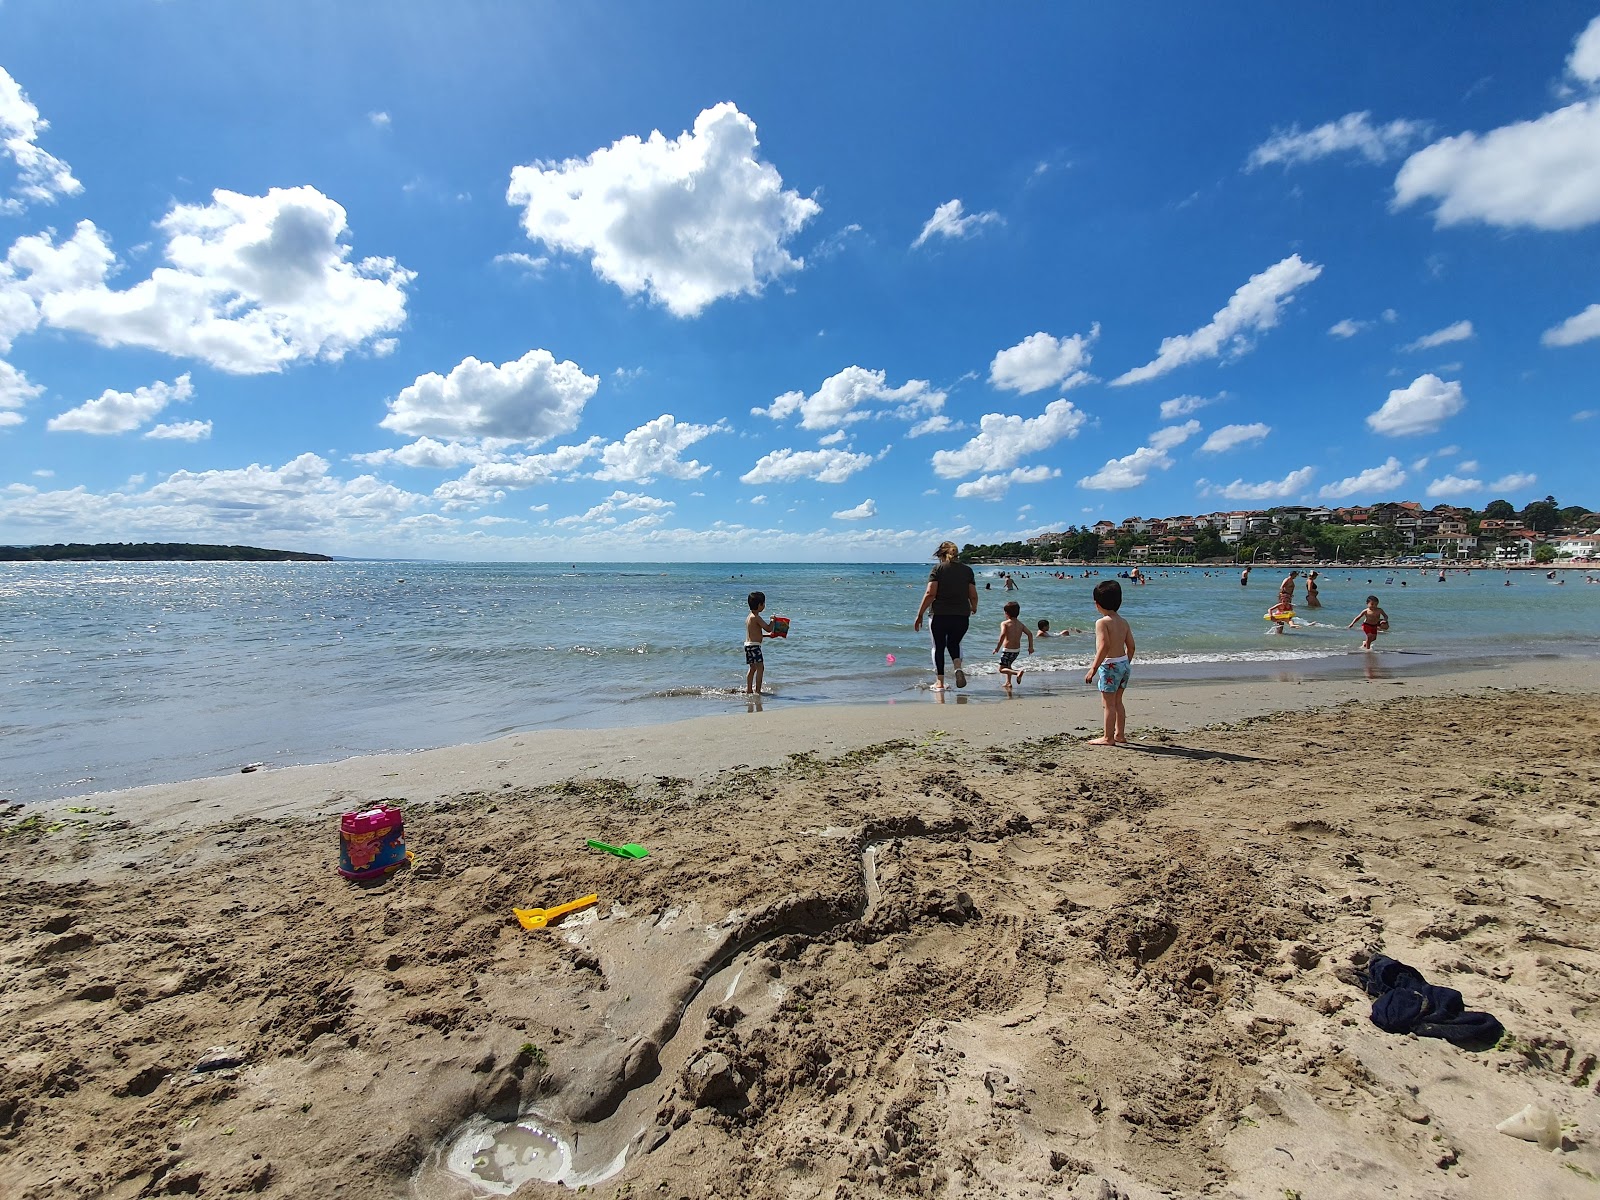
910,951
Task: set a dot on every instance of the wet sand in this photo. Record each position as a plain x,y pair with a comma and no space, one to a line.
910,950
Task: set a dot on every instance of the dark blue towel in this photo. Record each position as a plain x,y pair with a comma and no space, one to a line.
1407,1003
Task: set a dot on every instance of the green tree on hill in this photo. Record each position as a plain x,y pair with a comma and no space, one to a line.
1499,510
1542,515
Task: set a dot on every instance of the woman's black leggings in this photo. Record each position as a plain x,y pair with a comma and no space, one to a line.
947,635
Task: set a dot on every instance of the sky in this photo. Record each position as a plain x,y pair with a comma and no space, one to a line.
532,281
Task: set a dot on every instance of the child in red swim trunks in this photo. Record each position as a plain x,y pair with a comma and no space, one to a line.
1373,622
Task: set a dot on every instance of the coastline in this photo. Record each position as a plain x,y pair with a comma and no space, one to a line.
871,949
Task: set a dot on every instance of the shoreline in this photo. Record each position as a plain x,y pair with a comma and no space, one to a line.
697,747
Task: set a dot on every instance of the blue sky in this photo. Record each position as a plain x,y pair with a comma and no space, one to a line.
722,282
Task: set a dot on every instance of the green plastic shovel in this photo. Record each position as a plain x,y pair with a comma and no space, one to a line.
631,850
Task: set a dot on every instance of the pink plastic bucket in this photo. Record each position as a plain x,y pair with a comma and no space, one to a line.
372,842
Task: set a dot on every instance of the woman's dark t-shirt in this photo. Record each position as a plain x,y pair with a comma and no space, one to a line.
953,578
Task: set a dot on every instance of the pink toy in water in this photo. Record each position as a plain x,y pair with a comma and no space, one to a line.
889,658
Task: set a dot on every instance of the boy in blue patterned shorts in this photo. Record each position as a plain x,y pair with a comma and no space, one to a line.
1113,659
1009,644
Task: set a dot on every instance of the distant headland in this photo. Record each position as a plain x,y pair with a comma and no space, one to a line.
151,552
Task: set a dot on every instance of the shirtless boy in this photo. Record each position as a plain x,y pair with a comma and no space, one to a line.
755,628
1373,622
1009,643
1113,659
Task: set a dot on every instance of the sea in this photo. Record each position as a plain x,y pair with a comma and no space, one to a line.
115,675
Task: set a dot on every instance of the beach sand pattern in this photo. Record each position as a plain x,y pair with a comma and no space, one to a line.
926,966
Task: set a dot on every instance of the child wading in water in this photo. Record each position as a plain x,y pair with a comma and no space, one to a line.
754,630
1373,622
1113,659
1009,643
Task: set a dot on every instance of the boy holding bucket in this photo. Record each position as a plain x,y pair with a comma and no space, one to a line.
756,628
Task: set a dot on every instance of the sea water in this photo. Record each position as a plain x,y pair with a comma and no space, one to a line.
114,675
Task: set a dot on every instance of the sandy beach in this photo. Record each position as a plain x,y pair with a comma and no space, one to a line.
911,949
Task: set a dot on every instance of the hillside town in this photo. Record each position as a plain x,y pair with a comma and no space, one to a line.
1542,532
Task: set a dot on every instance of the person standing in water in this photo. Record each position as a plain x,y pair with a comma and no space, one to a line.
1311,591
952,594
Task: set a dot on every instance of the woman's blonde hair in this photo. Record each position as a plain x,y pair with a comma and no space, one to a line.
947,552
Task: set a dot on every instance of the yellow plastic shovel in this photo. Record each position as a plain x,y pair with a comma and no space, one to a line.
538,918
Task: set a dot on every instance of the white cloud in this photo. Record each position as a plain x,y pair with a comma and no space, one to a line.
653,449
686,220
938,423
487,482
1003,441
15,390
867,509
1468,465
948,222
1584,62
1454,485
527,263
1513,482
1292,484
831,439
1447,451
531,399
993,487
605,512
1182,406
1459,332
380,119
843,398
41,176
1253,308
1540,174
1176,435
1348,328
1585,414
1040,361
824,466
1128,471
119,412
1230,436
1581,328
1420,408
1353,132
1373,481
430,454
254,284
182,431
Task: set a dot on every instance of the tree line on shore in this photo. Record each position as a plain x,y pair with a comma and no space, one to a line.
152,552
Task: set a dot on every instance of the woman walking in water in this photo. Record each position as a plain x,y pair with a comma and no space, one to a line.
952,594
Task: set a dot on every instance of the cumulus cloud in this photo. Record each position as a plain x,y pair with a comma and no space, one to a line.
531,399
823,466
15,392
1454,485
41,176
1348,328
1230,436
181,431
1003,441
1581,328
487,482
685,221
852,395
1514,482
1128,471
1538,174
605,512
430,454
1173,435
1292,484
119,412
948,222
254,283
1422,407
1182,406
529,264
1584,62
653,449
1252,309
993,487
867,509
938,423
1352,133
1374,480
1461,331
1040,361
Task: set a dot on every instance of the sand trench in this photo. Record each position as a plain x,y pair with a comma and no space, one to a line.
916,970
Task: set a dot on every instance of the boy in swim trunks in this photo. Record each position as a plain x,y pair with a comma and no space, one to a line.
1373,622
1113,660
1009,643
755,628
